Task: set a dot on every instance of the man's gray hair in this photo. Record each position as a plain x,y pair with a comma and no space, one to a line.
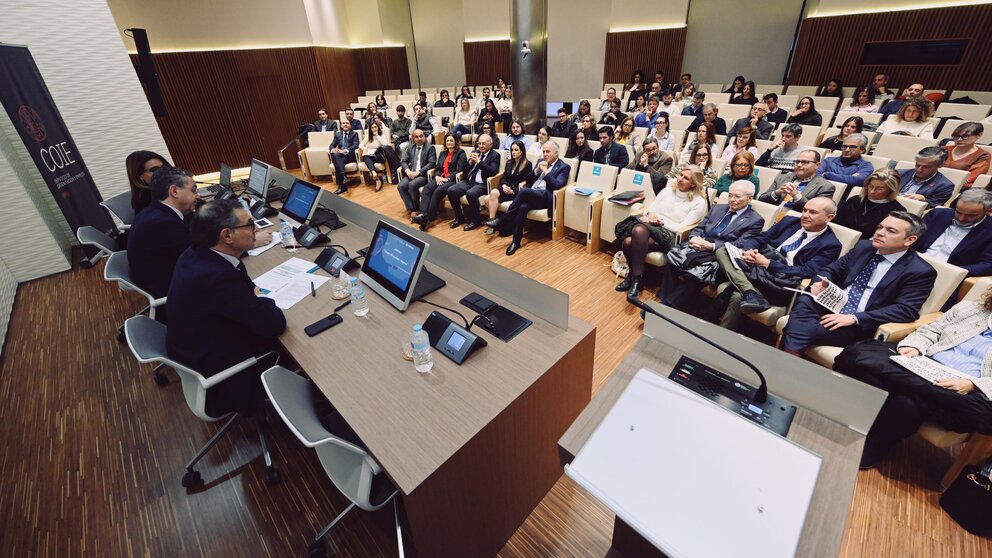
711,106
977,195
862,139
746,185
648,141
933,152
916,226
552,145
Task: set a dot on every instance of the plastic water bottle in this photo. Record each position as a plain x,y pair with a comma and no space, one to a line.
359,305
288,240
423,360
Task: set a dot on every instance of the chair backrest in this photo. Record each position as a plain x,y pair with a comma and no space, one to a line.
839,189
364,100
680,122
444,112
598,176
678,137
718,166
711,88
802,90
763,145
766,177
321,140
948,278
764,88
949,126
826,103
982,182
631,180
966,112
877,162
573,165
91,236
978,290
984,97
562,144
848,237
766,210
392,91
732,113
867,117
811,136
593,144
787,100
119,206
901,148
916,207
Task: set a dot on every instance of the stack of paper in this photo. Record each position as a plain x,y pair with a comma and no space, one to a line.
290,282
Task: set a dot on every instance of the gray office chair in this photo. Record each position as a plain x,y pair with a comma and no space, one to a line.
146,338
117,269
350,467
119,206
91,236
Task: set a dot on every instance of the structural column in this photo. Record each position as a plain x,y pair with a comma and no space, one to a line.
528,52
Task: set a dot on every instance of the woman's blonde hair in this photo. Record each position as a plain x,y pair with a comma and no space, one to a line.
923,105
889,176
698,178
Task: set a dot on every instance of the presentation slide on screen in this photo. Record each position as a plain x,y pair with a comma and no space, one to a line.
394,258
300,200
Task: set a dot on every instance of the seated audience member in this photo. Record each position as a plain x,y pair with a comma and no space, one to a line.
831,89
399,129
853,125
610,152
661,134
736,88
783,153
653,161
466,93
342,151
794,189
863,100
516,128
960,339
451,161
380,103
692,264
701,157
486,129
961,236
141,165
885,282
695,107
505,107
669,105
741,167
747,96
372,114
687,93
422,100
625,132
656,230
543,136
778,259
742,141
685,79
489,114
480,103
585,109
613,116
756,121
160,233
483,163
656,90
850,168
650,115
323,123
924,182
578,147
710,114
636,87
216,319
564,127
914,91
424,122
516,171
659,78
607,104
349,115
464,120
588,125
418,159
863,213
444,100
776,114
879,87
550,174
963,154
705,135
376,149
913,119
805,113
637,106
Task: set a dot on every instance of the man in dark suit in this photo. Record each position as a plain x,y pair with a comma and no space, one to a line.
728,222
160,234
482,164
793,249
349,115
216,320
710,114
757,122
885,282
342,151
610,153
961,236
564,127
324,124
801,185
925,182
418,158
550,174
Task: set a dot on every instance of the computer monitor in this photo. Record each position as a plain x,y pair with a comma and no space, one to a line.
258,179
225,175
393,264
301,203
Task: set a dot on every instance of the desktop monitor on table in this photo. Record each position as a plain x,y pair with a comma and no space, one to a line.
301,203
393,265
258,180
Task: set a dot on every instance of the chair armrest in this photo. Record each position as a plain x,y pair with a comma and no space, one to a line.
219,377
683,232
894,332
494,181
158,302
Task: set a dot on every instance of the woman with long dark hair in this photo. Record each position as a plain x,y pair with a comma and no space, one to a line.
517,169
140,166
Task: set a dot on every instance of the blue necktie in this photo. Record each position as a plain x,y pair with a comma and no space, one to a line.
792,246
722,225
857,288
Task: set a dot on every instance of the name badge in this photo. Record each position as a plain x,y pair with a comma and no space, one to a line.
597,170
638,179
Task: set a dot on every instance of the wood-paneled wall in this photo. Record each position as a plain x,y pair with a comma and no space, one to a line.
486,61
234,105
650,50
830,48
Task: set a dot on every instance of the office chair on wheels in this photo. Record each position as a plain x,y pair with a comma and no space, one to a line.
94,238
146,338
117,269
350,467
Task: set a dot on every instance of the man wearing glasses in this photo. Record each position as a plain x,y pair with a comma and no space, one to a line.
757,121
924,182
803,184
850,168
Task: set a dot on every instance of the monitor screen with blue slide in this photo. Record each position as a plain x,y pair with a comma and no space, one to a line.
394,266
301,203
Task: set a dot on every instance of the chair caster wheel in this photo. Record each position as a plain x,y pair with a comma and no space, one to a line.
192,479
120,335
272,476
85,264
316,550
161,380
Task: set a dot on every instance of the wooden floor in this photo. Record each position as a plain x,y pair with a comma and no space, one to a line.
93,451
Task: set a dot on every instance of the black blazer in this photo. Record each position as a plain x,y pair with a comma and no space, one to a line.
427,157
973,253
618,155
332,126
488,165
584,154
563,129
512,178
817,254
459,163
155,241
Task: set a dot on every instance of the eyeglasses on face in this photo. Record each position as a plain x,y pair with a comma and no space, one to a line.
804,162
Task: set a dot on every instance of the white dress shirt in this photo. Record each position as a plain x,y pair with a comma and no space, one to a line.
945,244
880,270
810,237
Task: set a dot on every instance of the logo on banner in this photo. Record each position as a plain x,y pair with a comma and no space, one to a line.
638,179
597,170
32,123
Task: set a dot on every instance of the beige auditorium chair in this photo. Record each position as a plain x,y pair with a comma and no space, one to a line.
974,113
916,207
901,148
627,181
315,159
868,118
582,213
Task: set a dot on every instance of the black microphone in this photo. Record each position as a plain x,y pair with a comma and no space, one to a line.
760,395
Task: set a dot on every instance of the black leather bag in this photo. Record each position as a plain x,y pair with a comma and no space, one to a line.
969,499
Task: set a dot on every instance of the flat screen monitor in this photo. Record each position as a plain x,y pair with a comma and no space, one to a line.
301,203
258,179
393,264
225,175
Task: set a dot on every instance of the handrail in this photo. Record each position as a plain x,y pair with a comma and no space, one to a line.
299,146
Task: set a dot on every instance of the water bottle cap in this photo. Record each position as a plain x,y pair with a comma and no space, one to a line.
417,327
354,280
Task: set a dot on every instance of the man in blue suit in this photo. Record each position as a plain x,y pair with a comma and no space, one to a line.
793,249
961,236
342,151
925,182
885,282
549,175
216,320
735,220
610,153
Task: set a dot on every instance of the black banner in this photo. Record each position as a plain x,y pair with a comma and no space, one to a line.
33,112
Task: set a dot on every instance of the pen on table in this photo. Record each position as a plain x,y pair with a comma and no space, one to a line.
343,304
313,291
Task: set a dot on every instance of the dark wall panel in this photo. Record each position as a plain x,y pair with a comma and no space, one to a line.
382,68
649,50
486,61
830,48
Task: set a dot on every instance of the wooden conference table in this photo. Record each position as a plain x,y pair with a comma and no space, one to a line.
472,448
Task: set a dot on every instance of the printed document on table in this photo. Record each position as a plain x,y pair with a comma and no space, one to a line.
296,289
279,276
276,239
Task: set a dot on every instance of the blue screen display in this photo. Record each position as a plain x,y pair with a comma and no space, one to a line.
301,199
393,258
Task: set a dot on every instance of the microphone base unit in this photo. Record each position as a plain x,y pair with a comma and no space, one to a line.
775,414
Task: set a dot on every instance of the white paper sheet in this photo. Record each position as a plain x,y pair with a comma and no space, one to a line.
276,239
296,289
277,277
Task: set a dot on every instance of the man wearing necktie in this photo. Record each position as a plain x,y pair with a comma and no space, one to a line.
885,282
342,152
482,165
324,124
418,159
